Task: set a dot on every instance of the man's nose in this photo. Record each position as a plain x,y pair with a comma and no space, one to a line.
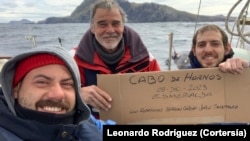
56,92
208,47
110,28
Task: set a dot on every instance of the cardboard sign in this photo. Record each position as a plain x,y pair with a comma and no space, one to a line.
177,97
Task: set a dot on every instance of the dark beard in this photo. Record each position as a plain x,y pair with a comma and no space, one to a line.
44,117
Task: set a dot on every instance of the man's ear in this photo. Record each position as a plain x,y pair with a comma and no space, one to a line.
228,49
193,50
92,29
16,89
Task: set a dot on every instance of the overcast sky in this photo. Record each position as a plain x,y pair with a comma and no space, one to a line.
36,10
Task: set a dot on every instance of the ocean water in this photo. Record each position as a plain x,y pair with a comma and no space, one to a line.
14,38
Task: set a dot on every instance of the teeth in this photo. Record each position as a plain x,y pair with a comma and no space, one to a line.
209,57
52,109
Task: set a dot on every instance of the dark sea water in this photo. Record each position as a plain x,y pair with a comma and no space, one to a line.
156,36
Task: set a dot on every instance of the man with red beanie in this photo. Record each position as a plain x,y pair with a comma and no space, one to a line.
40,99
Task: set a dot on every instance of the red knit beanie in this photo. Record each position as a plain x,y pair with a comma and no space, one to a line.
32,62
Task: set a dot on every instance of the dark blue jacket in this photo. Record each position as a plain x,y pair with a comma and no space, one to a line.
17,129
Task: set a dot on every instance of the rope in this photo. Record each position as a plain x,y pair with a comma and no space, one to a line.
197,17
171,47
241,20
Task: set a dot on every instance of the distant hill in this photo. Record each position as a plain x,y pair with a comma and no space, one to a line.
137,13
23,21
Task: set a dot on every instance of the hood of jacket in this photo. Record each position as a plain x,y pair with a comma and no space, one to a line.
132,40
8,71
